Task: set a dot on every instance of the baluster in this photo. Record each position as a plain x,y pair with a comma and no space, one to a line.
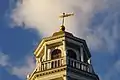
85,67
42,67
82,66
45,66
73,64
88,68
62,62
77,65
38,67
53,64
50,65
57,63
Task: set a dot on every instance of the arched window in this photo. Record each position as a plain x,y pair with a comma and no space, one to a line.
71,54
56,54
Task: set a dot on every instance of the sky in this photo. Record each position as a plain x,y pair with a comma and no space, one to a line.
23,24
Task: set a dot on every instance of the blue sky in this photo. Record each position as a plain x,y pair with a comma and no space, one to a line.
97,21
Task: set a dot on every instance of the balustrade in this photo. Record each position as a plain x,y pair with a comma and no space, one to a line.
79,65
45,65
51,64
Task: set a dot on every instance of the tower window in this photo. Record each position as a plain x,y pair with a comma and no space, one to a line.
71,54
56,54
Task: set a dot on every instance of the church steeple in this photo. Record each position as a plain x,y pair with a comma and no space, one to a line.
63,56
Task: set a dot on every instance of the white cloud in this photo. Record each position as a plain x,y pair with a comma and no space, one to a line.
20,71
4,59
43,16
107,33
24,70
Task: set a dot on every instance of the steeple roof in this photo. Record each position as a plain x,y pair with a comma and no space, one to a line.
62,33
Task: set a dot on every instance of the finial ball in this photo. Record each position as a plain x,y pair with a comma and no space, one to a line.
62,28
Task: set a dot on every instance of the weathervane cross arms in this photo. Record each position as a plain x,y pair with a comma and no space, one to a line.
65,15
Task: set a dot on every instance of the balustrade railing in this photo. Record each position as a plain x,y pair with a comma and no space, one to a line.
50,64
79,65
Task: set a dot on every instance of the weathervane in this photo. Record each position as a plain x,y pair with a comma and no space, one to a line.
63,17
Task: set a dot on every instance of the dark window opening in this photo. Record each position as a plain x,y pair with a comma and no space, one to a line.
56,54
71,54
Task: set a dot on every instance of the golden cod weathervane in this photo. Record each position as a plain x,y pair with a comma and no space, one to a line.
63,16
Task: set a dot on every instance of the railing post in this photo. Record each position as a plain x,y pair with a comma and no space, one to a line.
53,64
50,65
82,66
42,68
45,66
62,61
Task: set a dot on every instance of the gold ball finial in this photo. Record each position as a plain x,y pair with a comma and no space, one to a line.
62,28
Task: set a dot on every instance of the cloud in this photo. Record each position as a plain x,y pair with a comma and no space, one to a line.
107,33
20,71
23,70
43,15
4,59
